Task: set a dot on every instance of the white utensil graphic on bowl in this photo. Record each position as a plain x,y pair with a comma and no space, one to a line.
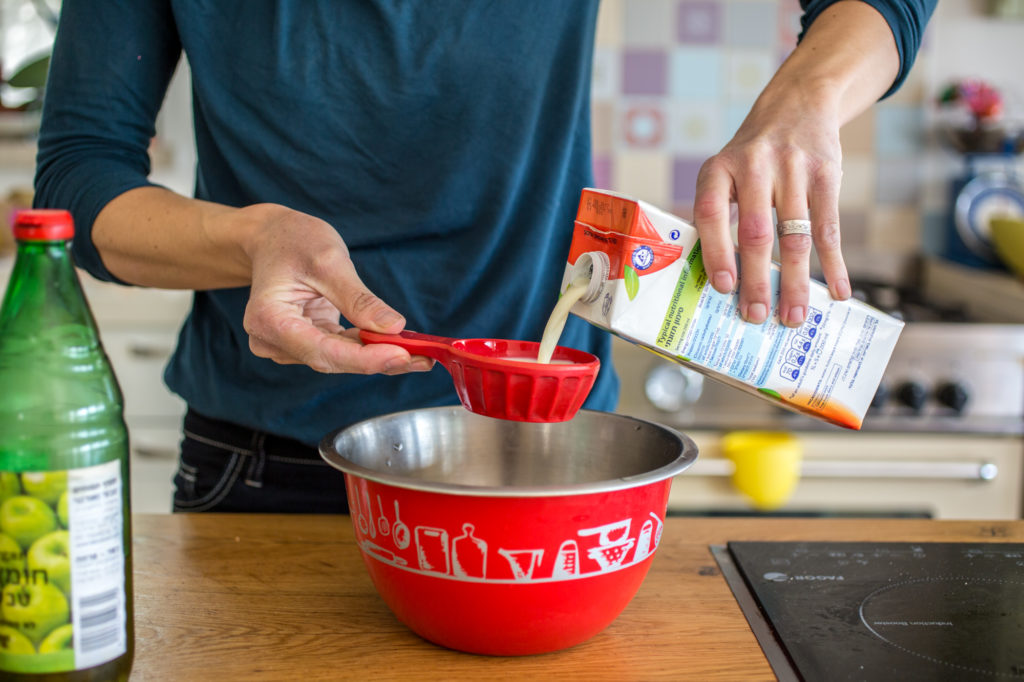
386,555
360,519
382,522
402,536
432,549
610,551
469,554
643,543
610,556
567,563
605,532
657,531
522,561
369,509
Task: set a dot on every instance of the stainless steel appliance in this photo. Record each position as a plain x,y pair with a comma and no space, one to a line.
872,611
944,438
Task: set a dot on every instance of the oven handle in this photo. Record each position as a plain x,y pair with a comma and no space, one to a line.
824,468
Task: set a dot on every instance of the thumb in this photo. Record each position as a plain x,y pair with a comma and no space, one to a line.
362,308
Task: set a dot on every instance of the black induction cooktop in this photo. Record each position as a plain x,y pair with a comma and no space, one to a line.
882,611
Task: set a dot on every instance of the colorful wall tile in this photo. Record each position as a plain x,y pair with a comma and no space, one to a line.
696,74
674,79
644,71
699,22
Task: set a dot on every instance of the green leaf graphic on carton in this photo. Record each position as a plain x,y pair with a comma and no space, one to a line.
770,393
632,282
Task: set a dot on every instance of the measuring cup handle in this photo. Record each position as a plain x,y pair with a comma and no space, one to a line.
437,347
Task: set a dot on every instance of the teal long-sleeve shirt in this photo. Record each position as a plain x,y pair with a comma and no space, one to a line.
447,142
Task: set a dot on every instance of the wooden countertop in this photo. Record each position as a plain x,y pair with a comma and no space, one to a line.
253,597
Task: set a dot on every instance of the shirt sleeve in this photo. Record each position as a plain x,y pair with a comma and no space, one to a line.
109,71
906,18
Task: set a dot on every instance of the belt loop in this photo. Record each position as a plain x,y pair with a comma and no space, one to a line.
254,477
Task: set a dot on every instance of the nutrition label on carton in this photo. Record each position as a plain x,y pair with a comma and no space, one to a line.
704,326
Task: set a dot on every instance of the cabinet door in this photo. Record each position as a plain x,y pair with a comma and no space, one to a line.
154,461
139,357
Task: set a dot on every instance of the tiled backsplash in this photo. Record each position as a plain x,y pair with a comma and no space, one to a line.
673,80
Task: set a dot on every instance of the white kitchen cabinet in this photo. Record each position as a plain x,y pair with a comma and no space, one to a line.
943,476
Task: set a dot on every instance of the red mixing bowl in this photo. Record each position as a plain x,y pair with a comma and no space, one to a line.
502,537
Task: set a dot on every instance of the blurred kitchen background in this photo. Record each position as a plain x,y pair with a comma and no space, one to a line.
923,172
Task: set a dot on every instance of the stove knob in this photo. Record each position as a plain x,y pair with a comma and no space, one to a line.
881,395
912,394
953,394
671,387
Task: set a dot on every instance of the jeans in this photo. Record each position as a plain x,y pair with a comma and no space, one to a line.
225,467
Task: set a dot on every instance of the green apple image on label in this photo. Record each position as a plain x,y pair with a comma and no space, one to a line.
62,509
61,639
26,519
50,556
45,485
10,485
34,610
12,560
13,642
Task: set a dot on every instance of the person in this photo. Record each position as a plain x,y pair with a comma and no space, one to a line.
389,165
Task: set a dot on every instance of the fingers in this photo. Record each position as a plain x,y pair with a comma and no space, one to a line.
356,302
365,310
711,215
325,348
818,200
303,282
825,219
801,187
756,236
794,249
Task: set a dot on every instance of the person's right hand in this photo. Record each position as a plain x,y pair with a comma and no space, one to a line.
303,283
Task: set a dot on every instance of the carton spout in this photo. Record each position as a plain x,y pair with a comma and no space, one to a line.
595,268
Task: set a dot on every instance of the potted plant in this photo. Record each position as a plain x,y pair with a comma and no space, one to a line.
973,119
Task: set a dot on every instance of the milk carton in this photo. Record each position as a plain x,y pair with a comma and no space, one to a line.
647,285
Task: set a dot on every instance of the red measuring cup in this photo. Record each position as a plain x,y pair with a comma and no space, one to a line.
502,378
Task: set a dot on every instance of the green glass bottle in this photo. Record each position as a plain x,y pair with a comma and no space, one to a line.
65,536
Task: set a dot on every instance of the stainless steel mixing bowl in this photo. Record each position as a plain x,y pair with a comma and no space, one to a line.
451,450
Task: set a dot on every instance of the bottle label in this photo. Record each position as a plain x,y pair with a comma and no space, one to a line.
62,568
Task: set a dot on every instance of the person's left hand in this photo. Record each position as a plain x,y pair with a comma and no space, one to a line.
786,155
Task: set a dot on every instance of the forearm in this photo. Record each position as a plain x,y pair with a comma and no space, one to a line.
786,159
151,236
846,61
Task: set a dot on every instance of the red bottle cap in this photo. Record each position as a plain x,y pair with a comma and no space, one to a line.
43,225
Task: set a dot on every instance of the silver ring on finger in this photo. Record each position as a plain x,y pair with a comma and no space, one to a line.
787,227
